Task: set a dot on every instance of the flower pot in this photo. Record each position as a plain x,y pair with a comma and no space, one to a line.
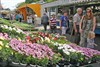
38,66
51,65
14,64
3,64
33,65
23,64
1,60
92,65
61,65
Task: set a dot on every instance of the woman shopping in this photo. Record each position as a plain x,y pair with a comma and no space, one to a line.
87,24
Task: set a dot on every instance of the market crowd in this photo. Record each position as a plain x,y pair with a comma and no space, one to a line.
18,16
83,26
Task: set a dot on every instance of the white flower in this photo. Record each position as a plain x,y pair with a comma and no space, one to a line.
66,52
60,44
19,30
60,47
14,29
47,39
10,28
72,50
2,26
66,46
5,26
42,39
56,44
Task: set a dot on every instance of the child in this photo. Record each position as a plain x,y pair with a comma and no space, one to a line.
90,40
52,24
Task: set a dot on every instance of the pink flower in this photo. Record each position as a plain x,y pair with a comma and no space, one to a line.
89,53
35,50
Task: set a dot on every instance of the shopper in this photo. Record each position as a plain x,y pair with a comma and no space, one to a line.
16,17
20,17
44,21
35,20
64,23
29,18
52,24
12,17
76,21
87,24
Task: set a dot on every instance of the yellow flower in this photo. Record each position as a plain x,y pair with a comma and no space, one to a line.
1,38
12,53
47,39
1,43
19,39
7,46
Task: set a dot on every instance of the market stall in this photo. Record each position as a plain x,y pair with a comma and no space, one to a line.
24,10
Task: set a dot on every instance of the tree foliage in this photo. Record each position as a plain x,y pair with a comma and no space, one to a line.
49,0
20,4
30,1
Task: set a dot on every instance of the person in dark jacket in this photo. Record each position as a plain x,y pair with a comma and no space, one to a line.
44,21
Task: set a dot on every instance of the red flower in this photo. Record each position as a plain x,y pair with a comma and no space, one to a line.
37,38
55,38
34,41
28,37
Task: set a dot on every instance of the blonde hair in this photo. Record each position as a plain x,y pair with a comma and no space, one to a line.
91,14
91,35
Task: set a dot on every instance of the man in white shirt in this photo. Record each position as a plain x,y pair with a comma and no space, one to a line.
76,21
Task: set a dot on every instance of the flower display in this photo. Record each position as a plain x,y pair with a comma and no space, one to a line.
46,38
3,36
42,48
12,31
3,39
36,50
11,28
89,53
67,49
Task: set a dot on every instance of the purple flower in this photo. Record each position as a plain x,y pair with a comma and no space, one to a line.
4,35
35,50
89,53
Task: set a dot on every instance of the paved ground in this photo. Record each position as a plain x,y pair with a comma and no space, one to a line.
97,41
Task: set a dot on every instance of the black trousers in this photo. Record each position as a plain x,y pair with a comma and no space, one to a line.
53,29
20,19
77,36
45,26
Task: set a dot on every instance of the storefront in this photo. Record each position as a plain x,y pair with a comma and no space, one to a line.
70,6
